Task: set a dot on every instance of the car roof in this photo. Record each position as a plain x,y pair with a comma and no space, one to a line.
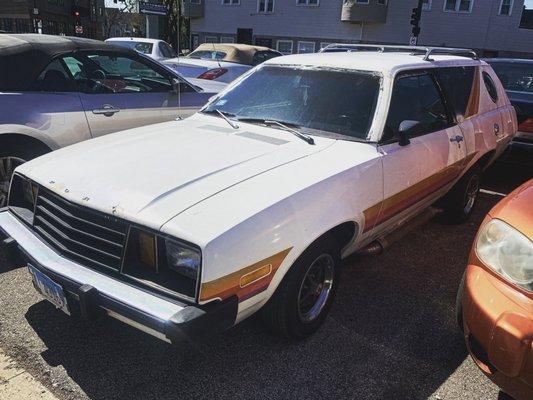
24,56
508,60
134,39
235,52
386,63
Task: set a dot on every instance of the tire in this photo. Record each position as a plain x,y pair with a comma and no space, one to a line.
460,202
459,305
286,313
11,156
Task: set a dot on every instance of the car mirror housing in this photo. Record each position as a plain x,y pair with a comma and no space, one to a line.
404,129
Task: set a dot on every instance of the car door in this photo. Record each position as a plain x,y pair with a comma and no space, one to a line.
123,91
50,107
416,173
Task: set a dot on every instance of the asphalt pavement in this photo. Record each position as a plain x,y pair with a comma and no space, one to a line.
391,334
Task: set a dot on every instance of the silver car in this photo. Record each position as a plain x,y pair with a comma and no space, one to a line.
56,91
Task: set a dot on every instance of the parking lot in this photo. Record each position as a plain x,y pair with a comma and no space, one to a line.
390,334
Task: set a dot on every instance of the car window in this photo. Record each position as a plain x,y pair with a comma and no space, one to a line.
141,47
166,50
207,54
515,76
457,83
415,98
323,102
491,87
262,56
107,73
54,78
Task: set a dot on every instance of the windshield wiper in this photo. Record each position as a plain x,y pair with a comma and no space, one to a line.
225,115
282,125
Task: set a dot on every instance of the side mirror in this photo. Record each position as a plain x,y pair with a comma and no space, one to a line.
404,129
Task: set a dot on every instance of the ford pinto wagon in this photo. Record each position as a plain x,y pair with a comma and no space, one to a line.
188,227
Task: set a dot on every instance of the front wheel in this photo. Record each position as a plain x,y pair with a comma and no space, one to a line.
302,301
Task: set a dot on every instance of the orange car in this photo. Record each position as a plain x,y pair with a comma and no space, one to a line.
495,298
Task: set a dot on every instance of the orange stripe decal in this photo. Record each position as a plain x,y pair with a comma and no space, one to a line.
400,201
246,282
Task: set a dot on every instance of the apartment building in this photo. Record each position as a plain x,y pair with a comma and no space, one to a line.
492,27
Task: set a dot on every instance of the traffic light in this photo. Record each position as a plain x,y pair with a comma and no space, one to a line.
415,16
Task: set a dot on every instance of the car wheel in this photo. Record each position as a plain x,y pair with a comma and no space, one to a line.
11,158
459,203
302,301
459,305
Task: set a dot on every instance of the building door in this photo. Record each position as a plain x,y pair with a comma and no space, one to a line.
244,35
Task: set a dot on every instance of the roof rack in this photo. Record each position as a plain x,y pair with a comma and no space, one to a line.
426,51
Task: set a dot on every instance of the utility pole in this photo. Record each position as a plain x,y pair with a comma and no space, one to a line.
416,15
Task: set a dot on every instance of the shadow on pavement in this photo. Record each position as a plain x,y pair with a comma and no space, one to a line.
391,334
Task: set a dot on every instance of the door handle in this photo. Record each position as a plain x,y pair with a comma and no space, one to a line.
107,110
457,138
496,129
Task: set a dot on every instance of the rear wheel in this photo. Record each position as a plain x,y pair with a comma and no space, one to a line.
302,301
10,158
459,203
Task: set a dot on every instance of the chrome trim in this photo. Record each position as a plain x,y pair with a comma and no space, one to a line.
137,325
128,295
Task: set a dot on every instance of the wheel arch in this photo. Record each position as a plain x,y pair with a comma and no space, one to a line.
18,139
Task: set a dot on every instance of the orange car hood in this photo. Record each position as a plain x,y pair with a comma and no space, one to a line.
517,209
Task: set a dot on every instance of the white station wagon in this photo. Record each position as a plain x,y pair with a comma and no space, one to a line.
187,227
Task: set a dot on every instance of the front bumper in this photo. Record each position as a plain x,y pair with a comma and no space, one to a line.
498,322
93,294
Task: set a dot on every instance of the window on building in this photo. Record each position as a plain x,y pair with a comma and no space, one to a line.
527,15
231,2
265,6
458,5
362,1
284,46
306,47
195,1
382,2
506,6
426,5
307,2
210,39
227,39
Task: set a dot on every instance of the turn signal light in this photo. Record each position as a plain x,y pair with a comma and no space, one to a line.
213,74
147,249
253,276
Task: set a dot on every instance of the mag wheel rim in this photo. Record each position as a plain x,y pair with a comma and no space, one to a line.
7,166
315,288
471,193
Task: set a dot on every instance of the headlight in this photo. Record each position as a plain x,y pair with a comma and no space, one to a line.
182,259
506,251
163,263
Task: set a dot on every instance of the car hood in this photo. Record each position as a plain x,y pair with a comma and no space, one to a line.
150,174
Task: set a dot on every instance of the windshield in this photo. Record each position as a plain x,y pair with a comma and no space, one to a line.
326,100
517,77
141,47
207,55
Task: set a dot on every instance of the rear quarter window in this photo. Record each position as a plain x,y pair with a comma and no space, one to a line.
491,86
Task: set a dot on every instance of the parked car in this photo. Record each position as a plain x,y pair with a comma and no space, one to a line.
188,227
154,48
222,62
495,298
61,90
516,76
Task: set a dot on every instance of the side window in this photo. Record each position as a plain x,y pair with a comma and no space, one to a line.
491,87
166,50
107,73
415,98
54,78
262,56
457,82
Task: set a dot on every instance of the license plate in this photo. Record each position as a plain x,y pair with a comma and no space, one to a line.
50,290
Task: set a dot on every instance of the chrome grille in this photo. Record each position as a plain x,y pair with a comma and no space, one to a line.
80,234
